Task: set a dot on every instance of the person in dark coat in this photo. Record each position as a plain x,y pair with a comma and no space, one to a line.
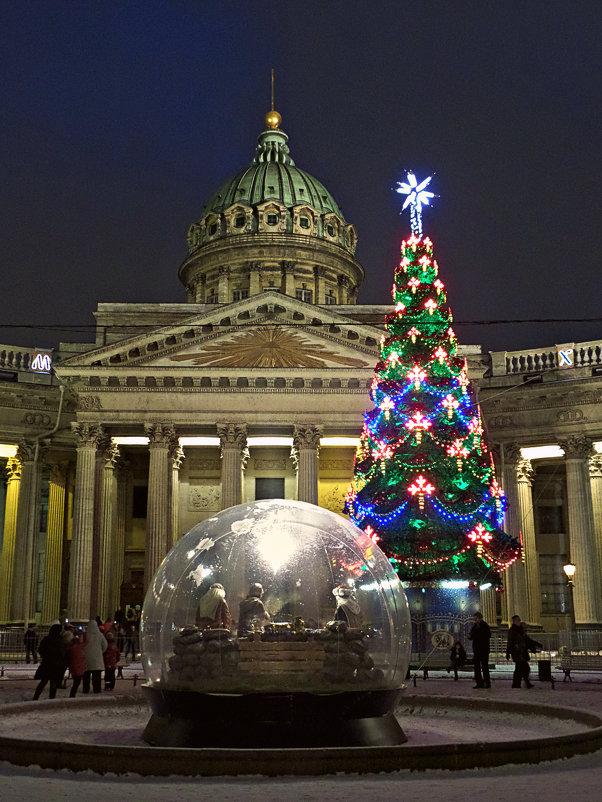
30,639
518,646
53,662
480,635
457,658
252,614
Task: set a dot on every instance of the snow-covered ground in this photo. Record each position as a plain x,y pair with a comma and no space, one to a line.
567,780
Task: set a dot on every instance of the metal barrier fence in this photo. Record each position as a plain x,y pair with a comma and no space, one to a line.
13,650
12,646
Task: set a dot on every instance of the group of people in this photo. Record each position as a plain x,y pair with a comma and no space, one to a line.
519,646
85,653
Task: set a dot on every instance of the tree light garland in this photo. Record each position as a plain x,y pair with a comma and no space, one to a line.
423,440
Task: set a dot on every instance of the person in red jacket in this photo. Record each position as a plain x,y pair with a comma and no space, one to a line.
76,657
111,656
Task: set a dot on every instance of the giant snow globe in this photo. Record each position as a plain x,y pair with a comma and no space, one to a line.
274,623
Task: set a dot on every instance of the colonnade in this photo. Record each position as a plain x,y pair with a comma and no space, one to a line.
584,509
99,514
99,519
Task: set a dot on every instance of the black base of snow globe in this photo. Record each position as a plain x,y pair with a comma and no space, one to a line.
269,720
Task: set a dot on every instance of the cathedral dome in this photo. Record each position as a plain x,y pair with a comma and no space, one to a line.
273,176
272,226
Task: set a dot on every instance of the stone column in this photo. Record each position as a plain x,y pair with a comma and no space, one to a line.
55,533
176,458
343,282
586,590
223,289
123,477
28,516
487,600
288,268
233,443
82,544
515,583
306,444
595,478
13,471
254,278
524,476
106,530
320,293
161,439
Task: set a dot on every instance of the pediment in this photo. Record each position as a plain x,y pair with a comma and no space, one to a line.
266,346
264,331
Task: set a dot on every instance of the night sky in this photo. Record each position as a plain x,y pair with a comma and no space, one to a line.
120,119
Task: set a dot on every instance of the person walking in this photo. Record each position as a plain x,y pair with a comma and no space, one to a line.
76,657
480,635
130,646
457,658
518,646
95,645
53,662
111,657
30,639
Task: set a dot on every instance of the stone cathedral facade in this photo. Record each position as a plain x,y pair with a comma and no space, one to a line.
255,387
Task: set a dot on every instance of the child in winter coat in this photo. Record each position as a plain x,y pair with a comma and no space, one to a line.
76,656
111,656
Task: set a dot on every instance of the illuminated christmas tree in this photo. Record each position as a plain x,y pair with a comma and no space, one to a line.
424,484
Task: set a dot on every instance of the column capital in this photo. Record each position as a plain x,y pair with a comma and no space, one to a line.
26,451
524,471
111,455
288,266
88,435
320,271
58,472
343,281
512,453
224,270
307,435
13,469
176,455
232,436
576,447
595,466
160,435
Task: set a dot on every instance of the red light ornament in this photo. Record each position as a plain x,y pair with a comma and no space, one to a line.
421,487
417,375
418,423
479,535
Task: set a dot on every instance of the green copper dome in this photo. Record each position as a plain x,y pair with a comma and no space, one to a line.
273,176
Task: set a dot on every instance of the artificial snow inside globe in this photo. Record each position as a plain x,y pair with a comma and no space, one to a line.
274,623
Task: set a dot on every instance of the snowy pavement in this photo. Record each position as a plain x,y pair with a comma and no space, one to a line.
564,780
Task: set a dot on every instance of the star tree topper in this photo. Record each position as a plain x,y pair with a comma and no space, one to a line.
417,198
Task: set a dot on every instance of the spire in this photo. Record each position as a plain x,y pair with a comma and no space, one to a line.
271,144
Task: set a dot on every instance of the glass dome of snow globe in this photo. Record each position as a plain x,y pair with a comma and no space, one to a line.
276,598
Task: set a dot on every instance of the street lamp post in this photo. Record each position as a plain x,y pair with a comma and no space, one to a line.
569,570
